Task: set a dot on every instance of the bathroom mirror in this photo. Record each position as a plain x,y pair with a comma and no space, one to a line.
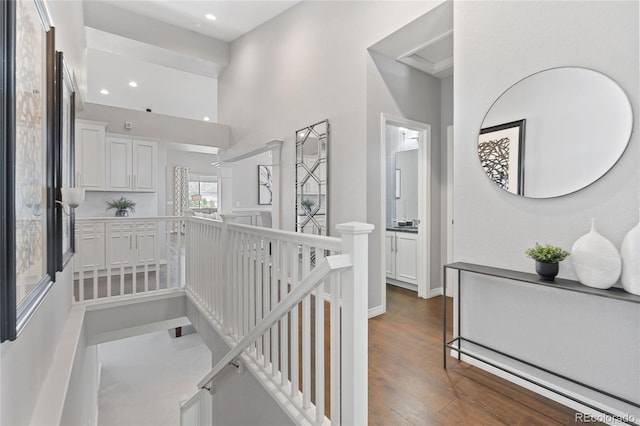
555,132
311,179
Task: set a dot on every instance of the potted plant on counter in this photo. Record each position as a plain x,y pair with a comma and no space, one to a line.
122,206
547,258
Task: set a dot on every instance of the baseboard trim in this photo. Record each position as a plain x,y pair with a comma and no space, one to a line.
434,292
378,310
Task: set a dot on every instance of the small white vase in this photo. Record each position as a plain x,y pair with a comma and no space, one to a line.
630,253
595,260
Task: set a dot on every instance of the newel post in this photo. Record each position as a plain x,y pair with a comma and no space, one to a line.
225,185
355,306
225,266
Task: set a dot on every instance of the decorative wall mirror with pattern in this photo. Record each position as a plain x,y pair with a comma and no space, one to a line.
312,178
28,255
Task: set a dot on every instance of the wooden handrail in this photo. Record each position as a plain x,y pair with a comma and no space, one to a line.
304,288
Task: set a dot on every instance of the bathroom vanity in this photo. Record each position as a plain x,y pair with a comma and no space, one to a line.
401,256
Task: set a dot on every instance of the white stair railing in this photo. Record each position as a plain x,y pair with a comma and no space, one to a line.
118,257
197,410
267,291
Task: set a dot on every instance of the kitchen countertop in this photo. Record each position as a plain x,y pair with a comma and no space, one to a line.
409,229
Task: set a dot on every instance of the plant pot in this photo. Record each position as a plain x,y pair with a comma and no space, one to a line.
547,271
122,213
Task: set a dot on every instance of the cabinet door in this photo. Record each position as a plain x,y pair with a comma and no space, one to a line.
120,249
119,162
407,257
147,247
390,254
89,161
144,166
90,252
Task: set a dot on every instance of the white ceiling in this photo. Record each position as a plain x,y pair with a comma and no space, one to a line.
234,18
164,90
425,44
153,43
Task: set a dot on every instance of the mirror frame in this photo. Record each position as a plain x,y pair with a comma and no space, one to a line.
520,191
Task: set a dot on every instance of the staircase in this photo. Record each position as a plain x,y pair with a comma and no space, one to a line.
292,308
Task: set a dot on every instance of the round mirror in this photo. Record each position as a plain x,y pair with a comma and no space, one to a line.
555,132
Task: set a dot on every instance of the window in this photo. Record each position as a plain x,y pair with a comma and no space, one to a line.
203,192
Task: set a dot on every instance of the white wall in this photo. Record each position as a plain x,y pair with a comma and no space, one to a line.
245,182
157,126
24,362
276,84
94,204
68,18
486,63
493,227
396,89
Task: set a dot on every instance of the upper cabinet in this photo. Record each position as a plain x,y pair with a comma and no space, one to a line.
89,145
114,162
131,164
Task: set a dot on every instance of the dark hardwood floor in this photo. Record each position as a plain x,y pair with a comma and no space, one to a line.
407,384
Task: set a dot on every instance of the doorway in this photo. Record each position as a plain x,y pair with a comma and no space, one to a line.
405,204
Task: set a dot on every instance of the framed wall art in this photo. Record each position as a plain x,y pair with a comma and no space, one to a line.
501,152
265,185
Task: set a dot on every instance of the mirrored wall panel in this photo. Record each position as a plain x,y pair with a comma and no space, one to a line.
555,132
311,179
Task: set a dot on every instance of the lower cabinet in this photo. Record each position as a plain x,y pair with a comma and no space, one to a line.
117,245
90,248
401,260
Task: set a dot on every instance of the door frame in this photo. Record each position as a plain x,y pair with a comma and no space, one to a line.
451,275
424,200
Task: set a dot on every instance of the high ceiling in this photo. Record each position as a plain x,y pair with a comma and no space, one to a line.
169,49
233,18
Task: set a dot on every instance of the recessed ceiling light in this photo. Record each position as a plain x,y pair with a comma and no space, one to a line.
210,16
206,119
104,91
133,84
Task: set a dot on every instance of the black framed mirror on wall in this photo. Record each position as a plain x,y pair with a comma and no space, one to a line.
64,161
27,195
555,132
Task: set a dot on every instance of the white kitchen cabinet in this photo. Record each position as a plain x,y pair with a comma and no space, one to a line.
90,247
103,245
90,155
132,244
131,165
144,165
402,256
119,164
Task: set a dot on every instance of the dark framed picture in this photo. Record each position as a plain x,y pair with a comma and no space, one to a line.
64,161
501,152
265,185
27,257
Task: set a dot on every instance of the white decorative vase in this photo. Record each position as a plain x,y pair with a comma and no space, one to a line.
595,260
630,253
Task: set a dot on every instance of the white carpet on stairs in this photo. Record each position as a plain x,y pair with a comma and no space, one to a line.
144,377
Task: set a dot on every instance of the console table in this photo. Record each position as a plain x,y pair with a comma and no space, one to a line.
456,343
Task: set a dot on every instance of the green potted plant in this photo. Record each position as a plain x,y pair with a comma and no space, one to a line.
547,258
307,204
122,206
